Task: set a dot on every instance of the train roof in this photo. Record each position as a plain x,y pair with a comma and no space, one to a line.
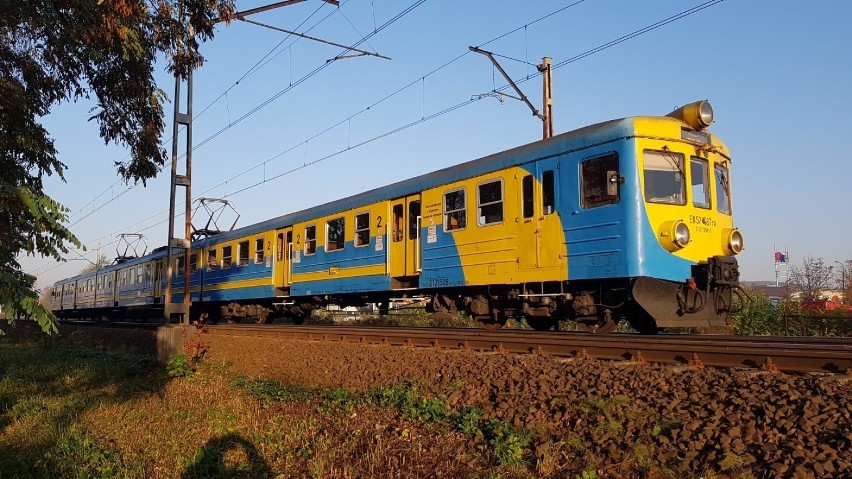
574,140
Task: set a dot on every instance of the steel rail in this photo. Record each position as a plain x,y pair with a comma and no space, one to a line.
790,354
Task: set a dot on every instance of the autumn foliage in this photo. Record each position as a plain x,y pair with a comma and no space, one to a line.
63,51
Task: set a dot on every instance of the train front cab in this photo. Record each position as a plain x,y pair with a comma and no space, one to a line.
686,274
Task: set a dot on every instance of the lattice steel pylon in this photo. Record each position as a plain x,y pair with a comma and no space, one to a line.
177,245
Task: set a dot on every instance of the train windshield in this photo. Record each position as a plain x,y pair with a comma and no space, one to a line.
664,178
723,194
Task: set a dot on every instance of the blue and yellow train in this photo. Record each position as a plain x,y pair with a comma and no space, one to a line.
625,219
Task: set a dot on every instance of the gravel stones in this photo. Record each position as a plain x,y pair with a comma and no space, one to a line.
688,420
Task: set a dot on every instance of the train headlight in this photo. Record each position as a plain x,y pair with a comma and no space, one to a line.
736,242
698,115
681,234
674,235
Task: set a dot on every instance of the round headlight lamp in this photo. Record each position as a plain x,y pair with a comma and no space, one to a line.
705,113
736,242
681,234
698,115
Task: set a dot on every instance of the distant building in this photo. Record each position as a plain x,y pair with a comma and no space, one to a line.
776,294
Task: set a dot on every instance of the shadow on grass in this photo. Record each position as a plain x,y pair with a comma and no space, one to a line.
227,456
46,385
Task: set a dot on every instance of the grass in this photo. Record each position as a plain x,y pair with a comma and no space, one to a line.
76,413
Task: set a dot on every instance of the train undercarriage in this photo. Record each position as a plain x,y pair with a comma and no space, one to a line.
595,306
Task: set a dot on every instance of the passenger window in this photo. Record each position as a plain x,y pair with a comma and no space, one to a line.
193,263
397,223
242,253
700,182
258,250
664,181
279,247
528,196
413,220
362,229
600,180
148,273
212,263
723,197
179,266
455,215
489,202
226,257
548,192
310,240
139,276
335,233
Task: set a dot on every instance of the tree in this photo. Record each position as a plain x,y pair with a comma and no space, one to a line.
99,264
53,51
844,280
811,279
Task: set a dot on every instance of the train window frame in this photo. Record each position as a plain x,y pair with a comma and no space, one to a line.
665,160
548,192
259,256
723,203
310,240
212,262
398,214
193,263
340,242
179,266
528,197
148,272
227,256
481,217
594,184
140,274
460,220
705,163
362,229
413,216
243,253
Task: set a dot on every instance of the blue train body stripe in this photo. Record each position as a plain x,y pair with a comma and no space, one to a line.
356,284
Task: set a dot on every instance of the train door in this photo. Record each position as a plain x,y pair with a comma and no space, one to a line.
283,266
539,218
158,282
405,259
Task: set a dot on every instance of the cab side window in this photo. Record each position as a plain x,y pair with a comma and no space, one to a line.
723,194
600,180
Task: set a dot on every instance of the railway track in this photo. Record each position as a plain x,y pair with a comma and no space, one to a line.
789,354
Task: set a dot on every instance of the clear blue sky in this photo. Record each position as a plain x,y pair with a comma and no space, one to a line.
776,71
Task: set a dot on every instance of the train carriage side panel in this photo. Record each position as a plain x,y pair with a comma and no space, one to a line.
231,271
344,252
